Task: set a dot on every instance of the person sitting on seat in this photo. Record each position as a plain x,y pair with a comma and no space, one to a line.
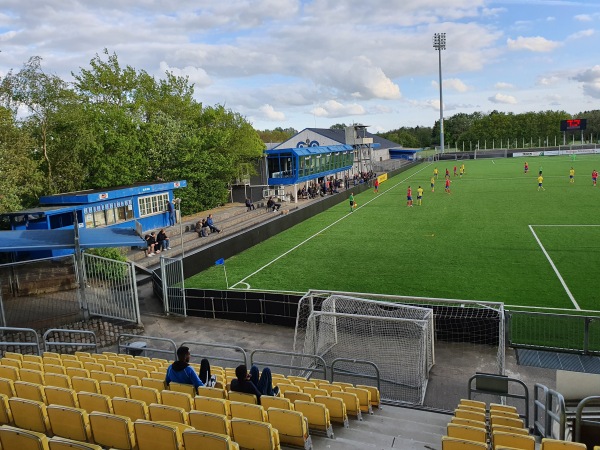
162,240
210,224
181,371
205,375
264,384
151,244
249,205
272,205
243,382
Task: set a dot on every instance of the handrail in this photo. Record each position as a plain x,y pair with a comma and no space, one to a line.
492,384
35,343
48,344
556,399
358,375
218,357
579,420
122,346
539,408
316,358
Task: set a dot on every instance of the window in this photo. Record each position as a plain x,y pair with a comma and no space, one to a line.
107,213
153,204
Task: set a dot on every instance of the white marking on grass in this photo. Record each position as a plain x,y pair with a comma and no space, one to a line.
560,278
493,162
326,228
248,287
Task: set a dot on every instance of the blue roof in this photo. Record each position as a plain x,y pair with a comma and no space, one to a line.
36,240
97,195
307,151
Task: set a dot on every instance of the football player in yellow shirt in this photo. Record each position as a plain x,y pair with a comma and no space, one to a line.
419,195
432,184
572,175
540,182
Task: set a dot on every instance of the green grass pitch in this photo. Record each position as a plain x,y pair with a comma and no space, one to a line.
474,244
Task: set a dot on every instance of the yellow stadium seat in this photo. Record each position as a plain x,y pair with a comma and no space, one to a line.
468,423
158,375
500,407
255,435
115,370
72,363
114,389
248,411
449,443
55,368
506,421
212,405
129,380
475,403
375,395
165,413
15,438
30,415
68,357
110,430
467,433
33,358
555,444
61,396
153,435
13,355
276,402
95,402
126,365
470,408
5,413
148,367
519,441
292,427
293,396
58,380
212,392
304,384
317,415
10,372
181,387
82,384
205,440
11,362
93,366
70,423
145,394
31,391
100,376
212,423
84,354
7,387
351,401
58,443
283,388
364,398
315,391
32,376
336,407
31,365
75,372
470,415
506,429
178,399
51,355
154,383
331,388
138,373
134,409
242,397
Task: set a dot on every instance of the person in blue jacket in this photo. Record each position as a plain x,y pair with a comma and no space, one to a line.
181,371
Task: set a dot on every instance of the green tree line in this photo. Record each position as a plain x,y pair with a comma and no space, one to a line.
533,128
114,126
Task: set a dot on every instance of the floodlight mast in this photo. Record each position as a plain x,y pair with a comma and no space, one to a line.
439,43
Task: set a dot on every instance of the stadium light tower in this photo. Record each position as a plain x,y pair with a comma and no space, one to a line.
439,43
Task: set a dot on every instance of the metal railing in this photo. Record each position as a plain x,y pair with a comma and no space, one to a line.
589,423
48,344
235,348
301,368
35,340
548,410
121,345
346,373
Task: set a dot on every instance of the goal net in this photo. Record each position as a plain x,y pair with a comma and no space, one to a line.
397,334
396,338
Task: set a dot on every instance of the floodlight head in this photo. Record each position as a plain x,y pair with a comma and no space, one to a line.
439,41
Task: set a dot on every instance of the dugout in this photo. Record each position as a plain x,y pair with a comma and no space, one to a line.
409,154
141,207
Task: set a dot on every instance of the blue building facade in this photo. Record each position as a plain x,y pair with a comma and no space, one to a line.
144,203
290,166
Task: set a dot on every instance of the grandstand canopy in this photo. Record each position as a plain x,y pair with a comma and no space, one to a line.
36,240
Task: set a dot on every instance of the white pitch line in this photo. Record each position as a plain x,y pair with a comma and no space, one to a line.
324,229
555,269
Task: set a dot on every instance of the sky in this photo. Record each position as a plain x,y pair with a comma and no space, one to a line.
316,63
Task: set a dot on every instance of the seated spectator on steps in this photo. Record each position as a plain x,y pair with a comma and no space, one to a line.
211,224
181,371
243,382
198,227
163,241
264,384
249,204
151,243
272,205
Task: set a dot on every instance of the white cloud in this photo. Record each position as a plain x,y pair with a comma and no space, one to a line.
333,108
504,85
196,75
591,81
548,80
455,84
534,44
502,98
583,17
581,34
269,113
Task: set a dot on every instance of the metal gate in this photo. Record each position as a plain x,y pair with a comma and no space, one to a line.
110,288
173,286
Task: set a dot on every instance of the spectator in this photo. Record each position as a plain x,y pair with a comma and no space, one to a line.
249,204
171,213
198,227
151,244
162,240
205,228
210,224
243,382
265,383
272,205
205,375
181,371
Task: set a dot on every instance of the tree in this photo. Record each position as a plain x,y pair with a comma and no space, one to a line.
42,95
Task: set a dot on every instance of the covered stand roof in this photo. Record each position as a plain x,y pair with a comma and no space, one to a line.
36,240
